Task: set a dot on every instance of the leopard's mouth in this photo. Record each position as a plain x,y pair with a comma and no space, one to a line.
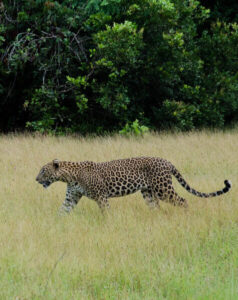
46,184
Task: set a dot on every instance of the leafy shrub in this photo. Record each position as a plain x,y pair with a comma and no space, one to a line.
134,128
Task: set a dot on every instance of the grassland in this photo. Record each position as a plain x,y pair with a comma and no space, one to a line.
131,252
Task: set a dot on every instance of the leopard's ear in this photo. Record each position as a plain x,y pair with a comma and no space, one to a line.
56,164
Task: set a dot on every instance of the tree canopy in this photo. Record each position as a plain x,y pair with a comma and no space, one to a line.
105,65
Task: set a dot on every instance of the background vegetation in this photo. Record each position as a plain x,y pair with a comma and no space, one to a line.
132,252
100,65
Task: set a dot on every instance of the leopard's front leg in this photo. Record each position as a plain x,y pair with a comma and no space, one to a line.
71,199
103,203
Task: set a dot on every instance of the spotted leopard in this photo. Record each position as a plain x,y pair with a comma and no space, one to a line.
100,181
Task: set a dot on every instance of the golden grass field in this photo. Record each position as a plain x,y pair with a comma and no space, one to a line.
131,252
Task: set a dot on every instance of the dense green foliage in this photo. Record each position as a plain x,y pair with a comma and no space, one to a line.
102,65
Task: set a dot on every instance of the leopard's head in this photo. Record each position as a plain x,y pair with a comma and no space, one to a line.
48,173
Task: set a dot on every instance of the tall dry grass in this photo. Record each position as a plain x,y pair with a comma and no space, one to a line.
131,252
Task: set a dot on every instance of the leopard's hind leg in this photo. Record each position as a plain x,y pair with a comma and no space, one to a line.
165,191
175,199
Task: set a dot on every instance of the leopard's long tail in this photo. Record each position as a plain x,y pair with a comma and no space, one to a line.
181,180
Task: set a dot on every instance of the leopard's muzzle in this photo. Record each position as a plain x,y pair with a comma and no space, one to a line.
45,184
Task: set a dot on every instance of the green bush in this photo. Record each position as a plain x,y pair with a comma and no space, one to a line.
134,128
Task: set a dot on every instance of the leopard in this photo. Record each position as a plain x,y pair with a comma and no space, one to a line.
99,181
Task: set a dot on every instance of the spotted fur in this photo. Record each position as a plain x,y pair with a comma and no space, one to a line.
100,181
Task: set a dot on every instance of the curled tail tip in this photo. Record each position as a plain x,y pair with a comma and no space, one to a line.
228,185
